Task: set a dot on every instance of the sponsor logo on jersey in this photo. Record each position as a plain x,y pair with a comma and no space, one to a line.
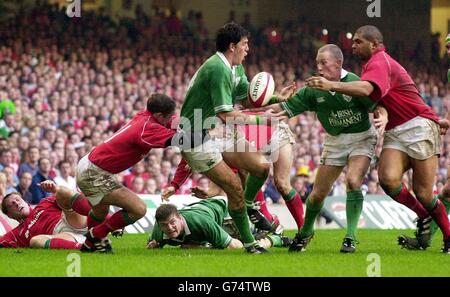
347,97
320,100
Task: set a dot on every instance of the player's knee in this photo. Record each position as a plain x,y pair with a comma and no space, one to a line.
353,183
141,210
389,182
38,241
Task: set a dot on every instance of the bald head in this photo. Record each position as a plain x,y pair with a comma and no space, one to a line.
334,51
370,33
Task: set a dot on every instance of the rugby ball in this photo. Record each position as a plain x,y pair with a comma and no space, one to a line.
261,89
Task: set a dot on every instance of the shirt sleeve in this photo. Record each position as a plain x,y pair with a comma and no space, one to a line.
156,136
367,103
181,175
299,103
157,235
379,74
8,240
215,234
220,87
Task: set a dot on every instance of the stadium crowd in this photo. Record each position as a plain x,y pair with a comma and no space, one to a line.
67,84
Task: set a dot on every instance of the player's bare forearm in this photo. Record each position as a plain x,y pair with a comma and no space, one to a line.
353,88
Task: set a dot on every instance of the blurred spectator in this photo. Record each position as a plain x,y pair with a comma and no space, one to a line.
65,176
151,187
42,174
24,187
31,161
2,186
138,170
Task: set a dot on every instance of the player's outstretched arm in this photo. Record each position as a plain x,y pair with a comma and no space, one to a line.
353,88
63,194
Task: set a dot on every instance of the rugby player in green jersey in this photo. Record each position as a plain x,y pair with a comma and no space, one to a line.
213,91
200,224
349,141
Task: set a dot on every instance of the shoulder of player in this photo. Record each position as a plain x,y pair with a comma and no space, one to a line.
350,77
215,65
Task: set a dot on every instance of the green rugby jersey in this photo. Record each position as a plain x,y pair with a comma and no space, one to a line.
338,113
203,220
214,88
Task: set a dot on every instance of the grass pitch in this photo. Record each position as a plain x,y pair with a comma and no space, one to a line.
321,259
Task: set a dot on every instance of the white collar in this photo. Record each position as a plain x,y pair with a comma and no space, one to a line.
225,61
343,73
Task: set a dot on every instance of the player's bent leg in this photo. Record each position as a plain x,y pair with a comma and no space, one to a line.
423,180
58,241
326,176
258,168
444,197
393,163
132,209
281,171
357,169
75,219
223,176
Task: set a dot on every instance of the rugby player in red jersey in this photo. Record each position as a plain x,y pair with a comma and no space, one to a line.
411,140
57,222
148,129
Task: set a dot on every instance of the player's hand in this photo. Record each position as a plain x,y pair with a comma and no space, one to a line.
200,192
167,192
48,186
272,118
287,92
153,244
444,124
319,82
380,121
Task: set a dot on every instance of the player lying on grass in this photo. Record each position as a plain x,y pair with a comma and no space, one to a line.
277,144
200,224
57,222
212,190
349,141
